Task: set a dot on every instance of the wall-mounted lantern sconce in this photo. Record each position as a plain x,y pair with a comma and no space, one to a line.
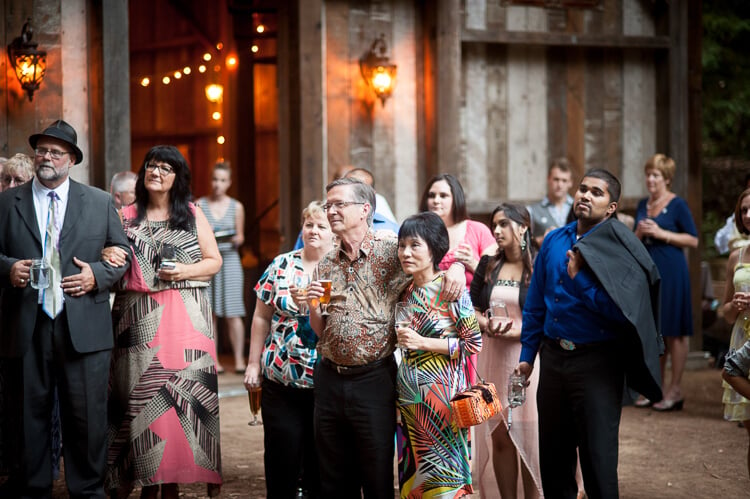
29,63
377,69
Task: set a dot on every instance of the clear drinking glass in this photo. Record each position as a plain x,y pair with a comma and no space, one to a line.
402,318
497,315
167,256
39,278
254,394
302,282
516,394
745,289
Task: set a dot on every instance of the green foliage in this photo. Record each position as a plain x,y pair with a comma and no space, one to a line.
726,73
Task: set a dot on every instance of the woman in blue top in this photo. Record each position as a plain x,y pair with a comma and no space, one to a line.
665,226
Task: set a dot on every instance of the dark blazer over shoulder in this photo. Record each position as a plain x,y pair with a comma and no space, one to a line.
630,277
91,224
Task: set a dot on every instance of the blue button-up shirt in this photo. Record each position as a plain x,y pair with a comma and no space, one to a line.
579,309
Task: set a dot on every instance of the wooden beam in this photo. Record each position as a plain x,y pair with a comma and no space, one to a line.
565,39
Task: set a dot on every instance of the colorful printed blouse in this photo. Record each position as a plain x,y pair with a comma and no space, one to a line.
285,359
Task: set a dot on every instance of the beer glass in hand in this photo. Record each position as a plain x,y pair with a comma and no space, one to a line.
253,393
326,298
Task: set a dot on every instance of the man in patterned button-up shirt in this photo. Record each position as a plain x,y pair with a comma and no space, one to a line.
355,392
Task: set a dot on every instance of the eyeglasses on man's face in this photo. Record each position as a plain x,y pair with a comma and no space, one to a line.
53,153
339,205
163,168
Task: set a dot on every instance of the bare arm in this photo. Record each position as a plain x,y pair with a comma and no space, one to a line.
730,307
259,331
239,226
740,384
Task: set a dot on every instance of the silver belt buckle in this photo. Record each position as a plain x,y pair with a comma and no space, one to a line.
341,369
567,345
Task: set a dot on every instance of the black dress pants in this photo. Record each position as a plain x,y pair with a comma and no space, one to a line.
580,401
355,424
290,457
82,383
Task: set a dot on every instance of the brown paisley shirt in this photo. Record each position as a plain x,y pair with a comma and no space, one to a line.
364,292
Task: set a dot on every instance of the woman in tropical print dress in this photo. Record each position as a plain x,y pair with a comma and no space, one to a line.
164,405
433,451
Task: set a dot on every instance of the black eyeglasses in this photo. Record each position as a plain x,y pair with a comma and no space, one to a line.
163,168
53,153
339,205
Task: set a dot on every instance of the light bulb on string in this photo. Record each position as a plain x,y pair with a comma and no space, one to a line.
220,140
216,116
166,80
145,81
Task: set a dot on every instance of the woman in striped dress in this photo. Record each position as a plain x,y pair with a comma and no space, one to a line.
227,217
164,404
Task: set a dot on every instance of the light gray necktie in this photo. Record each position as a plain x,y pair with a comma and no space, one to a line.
52,303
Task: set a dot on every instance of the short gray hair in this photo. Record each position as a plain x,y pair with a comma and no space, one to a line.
119,181
362,192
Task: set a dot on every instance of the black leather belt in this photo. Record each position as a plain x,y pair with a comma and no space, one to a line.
352,370
569,346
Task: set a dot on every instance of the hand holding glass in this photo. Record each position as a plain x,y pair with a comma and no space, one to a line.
745,290
302,282
516,394
254,393
402,317
167,257
39,274
497,315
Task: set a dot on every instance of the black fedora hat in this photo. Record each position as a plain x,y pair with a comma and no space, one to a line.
60,130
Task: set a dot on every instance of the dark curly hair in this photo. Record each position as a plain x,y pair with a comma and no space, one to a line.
180,215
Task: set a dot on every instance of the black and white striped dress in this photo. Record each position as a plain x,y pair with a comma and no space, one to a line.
227,286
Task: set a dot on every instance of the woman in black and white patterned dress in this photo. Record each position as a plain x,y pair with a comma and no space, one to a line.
227,217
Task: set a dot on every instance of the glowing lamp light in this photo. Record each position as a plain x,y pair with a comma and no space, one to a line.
254,49
206,57
220,140
260,29
214,92
231,61
216,116
177,75
166,80
377,69
27,62
186,70
145,81
202,68
219,46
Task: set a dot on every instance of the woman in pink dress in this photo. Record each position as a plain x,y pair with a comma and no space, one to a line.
163,404
469,240
505,277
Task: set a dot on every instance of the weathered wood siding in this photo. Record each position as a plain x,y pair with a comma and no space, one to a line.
593,101
529,84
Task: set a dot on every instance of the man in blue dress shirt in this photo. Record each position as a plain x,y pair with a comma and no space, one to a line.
584,327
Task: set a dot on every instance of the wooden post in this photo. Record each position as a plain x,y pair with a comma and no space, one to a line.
448,83
116,94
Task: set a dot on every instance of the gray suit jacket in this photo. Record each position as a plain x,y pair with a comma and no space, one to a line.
91,223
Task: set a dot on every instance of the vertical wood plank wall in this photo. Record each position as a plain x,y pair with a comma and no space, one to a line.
518,105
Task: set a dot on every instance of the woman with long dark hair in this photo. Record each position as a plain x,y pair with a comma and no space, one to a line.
163,405
505,277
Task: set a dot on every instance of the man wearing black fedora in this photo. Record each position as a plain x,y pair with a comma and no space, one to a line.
58,333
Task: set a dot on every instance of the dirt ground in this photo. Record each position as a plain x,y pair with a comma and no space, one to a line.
691,453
